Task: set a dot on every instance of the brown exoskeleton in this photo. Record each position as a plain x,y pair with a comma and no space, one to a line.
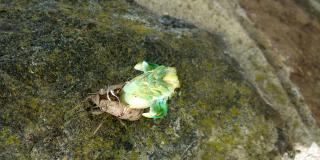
107,99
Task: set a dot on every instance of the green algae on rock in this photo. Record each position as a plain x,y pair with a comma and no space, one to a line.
54,53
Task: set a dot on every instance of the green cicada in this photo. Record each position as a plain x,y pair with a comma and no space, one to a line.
151,89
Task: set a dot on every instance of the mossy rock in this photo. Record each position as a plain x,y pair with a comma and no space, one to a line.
54,53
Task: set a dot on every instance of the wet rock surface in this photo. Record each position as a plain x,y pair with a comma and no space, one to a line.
52,54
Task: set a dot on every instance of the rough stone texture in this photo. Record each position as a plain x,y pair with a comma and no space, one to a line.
229,19
54,53
312,6
295,39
